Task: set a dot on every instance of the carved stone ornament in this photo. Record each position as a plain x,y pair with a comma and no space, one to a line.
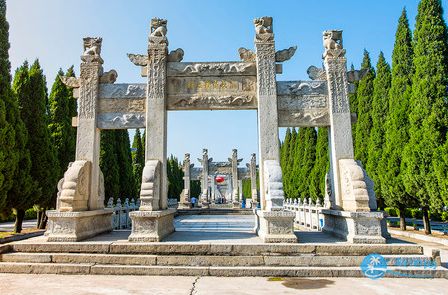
285,54
316,73
263,29
109,77
333,44
176,55
138,59
246,54
74,187
151,186
158,31
92,50
207,101
71,82
273,185
354,76
211,68
355,197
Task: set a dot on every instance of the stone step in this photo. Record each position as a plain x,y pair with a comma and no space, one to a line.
102,269
187,260
214,211
165,248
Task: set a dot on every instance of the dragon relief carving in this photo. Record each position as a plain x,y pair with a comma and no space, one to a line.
215,68
126,120
311,117
227,100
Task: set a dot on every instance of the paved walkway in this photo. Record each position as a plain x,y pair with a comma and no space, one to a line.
94,284
9,226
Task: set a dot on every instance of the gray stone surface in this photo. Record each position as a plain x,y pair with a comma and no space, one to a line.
151,226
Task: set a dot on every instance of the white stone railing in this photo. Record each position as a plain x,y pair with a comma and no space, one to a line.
307,214
172,203
120,218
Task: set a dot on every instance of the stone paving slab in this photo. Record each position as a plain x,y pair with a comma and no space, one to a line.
102,284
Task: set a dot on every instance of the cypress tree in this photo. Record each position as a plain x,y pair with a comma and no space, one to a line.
175,178
20,196
32,98
124,160
391,170
10,120
109,165
60,123
284,154
308,160
144,145
289,164
321,166
380,113
365,98
296,175
428,117
138,161
353,98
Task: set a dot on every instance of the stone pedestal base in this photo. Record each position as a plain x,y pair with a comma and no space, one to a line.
356,227
236,205
275,226
77,226
183,205
205,205
151,226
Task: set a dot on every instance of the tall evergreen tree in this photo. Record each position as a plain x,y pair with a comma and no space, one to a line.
21,197
284,154
390,168
380,113
32,98
138,160
9,116
365,97
144,144
109,165
289,164
175,178
353,98
60,123
428,117
321,166
296,175
308,160
124,161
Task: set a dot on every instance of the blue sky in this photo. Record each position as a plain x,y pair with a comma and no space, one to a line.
52,30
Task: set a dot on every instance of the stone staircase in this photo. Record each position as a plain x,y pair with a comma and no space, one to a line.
209,259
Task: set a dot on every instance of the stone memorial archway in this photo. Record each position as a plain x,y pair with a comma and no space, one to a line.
247,84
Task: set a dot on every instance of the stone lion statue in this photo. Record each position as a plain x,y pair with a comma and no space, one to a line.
158,27
263,25
332,39
92,46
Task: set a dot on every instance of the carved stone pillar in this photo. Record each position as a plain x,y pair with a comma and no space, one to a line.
253,181
81,212
185,196
272,223
235,196
154,221
212,189
205,204
349,213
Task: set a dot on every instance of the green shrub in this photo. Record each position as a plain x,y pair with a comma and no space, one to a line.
445,216
392,211
435,215
417,213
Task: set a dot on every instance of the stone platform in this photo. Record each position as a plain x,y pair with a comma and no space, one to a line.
209,246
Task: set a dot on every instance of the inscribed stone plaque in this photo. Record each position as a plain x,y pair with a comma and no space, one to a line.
211,85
